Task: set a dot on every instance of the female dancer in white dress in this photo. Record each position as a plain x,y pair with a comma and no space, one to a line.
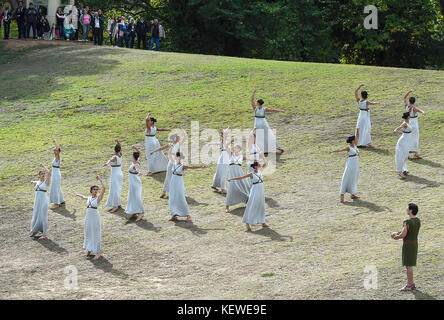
39,220
134,206
55,193
92,242
116,178
267,141
176,143
157,162
177,201
403,146
254,153
255,210
413,110
351,173
364,123
238,191
220,177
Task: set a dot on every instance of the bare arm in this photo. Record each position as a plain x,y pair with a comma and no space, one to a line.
357,136
253,101
48,174
158,129
81,196
406,103
117,141
137,149
185,136
372,103
113,158
102,192
57,155
404,125
274,110
357,93
194,167
159,149
419,110
403,233
250,175
341,150
147,118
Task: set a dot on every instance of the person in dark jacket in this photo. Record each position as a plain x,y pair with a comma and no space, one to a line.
20,18
155,37
131,32
98,22
141,29
6,19
43,27
31,20
60,19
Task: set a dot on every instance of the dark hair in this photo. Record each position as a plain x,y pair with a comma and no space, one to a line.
412,100
59,149
350,139
364,94
41,171
153,119
117,148
91,189
414,208
260,101
405,115
254,164
136,155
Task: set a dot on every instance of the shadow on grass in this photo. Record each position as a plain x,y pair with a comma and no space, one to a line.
106,266
271,203
425,162
419,295
278,158
64,212
384,152
193,202
422,181
144,225
192,227
238,212
159,177
50,245
366,204
273,235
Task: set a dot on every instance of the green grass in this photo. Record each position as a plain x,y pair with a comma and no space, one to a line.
86,96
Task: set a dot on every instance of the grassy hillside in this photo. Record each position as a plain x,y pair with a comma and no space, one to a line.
316,248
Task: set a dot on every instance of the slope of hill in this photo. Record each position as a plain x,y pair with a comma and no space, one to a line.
86,96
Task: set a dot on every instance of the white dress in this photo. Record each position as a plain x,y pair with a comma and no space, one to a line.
220,177
115,184
255,210
92,230
238,190
364,124
176,200
39,220
55,192
414,139
265,137
351,172
135,204
156,162
253,155
402,149
166,184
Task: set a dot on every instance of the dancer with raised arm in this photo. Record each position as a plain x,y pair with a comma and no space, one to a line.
176,143
403,146
254,153
266,138
39,222
157,162
220,177
255,210
55,193
176,200
134,206
116,178
238,190
409,236
92,242
364,123
351,173
411,108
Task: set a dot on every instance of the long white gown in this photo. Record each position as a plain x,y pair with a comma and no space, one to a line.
135,204
351,173
220,177
255,210
253,154
238,190
156,162
92,229
55,192
166,184
414,139
265,137
176,200
402,149
364,124
39,220
115,184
